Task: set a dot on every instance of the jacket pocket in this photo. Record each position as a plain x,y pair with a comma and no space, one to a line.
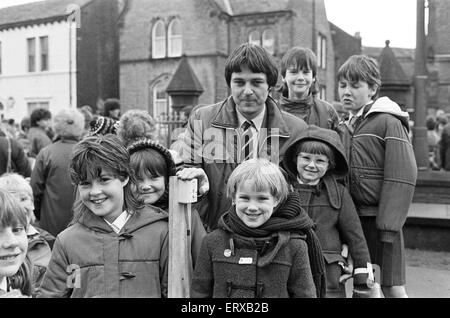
333,257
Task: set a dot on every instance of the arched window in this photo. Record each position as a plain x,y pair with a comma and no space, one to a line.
268,41
158,40
175,38
159,100
254,37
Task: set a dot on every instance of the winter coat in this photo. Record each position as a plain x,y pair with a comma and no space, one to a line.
39,252
230,265
19,161
445,147
210,142
101,263
53,190
38,140
383,169
331,207
313,111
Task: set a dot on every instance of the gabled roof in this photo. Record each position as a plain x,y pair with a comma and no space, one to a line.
404,56
184,79
37,12
242,7
391,71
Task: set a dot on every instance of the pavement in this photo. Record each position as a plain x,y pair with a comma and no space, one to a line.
427,274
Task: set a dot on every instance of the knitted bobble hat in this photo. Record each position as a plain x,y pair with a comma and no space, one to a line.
102,126
146,143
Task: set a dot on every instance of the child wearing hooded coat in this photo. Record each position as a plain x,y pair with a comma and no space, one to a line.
115,246
314,160
264,245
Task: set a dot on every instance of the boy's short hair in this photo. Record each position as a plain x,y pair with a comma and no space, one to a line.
11,212
256,58
266,176
13,182
361,68
39,114
316,148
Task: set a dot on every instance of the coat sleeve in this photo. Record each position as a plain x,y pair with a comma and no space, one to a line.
164,265
38,180
191,142
203,277
400,174
300,282
198,233
19,159
55,281
351,230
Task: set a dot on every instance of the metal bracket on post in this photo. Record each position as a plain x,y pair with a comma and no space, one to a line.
181,195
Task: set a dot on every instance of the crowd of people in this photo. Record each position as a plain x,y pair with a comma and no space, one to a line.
294,200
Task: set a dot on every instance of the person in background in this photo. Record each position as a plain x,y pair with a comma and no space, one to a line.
53,191
112,108
40,120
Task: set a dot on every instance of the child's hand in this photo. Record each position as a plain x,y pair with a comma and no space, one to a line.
195,173
346,268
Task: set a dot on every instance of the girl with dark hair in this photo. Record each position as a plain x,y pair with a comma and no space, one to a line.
115,246
300,89
15,267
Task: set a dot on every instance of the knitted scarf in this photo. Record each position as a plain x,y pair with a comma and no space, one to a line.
300,107
289,217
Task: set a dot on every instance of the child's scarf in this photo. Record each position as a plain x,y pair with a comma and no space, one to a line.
289,217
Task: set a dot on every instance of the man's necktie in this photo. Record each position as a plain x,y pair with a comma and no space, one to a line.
247,141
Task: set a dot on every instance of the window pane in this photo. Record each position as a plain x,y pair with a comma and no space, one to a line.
159,100
158,40
0,57
254,38
269,41
44,52
324,52
31,47
175,38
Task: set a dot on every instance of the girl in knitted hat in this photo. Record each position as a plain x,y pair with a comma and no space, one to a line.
115,246
15,272
264,245
315,159
153,165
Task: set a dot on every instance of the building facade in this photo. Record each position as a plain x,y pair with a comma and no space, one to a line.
56,54
154,34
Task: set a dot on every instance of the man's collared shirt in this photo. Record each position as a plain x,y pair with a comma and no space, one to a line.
255,128
120,222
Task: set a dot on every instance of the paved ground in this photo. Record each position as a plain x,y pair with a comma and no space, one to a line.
427,274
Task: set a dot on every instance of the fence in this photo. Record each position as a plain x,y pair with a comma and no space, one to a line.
169,127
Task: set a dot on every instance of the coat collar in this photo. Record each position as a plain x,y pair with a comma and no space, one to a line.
139,219
227,118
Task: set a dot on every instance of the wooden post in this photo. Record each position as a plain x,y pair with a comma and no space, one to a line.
181,195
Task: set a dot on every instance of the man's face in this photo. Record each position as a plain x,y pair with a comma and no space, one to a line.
249,91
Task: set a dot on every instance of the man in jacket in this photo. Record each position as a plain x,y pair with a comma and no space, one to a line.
246,125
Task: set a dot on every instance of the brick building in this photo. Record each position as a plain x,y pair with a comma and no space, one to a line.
154,34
